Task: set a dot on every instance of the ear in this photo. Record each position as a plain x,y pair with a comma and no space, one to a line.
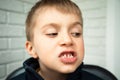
30,49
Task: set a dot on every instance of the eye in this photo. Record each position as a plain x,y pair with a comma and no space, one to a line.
76,34
52,35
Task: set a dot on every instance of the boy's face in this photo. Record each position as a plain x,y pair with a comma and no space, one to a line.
58,41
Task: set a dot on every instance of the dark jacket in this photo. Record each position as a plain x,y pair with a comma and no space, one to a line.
30,73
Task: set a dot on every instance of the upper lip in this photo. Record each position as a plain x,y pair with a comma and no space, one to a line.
67,51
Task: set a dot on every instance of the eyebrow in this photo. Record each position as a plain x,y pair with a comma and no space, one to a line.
54,25
77,23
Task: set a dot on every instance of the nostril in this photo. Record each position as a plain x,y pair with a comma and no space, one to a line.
67,44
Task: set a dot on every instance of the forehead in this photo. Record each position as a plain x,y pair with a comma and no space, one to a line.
53,15
49,9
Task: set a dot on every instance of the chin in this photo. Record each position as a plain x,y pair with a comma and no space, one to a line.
67,70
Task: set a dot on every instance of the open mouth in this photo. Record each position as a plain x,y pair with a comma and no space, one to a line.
68,57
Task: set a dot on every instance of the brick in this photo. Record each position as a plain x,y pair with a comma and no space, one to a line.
16,18
26,55
17,43
94,41
95,13
3,17
30,1
2,71
11,5
95,32
3,30
16,30
11,56
87,5
95,50
11,30
95,60
27,7
3,78
3,43
13,66
95,23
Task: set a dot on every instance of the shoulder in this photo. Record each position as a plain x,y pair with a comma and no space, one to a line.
82,75
88,76
19,77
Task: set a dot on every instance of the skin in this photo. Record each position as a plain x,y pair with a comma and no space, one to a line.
55,32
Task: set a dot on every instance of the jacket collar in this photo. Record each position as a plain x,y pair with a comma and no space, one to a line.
31,65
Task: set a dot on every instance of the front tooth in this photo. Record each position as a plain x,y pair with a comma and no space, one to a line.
68,55
71,56
64,56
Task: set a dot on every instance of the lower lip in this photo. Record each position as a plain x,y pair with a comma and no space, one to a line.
68,60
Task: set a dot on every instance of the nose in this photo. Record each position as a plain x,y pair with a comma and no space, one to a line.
66,40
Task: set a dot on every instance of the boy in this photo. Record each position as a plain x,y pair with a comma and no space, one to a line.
54,30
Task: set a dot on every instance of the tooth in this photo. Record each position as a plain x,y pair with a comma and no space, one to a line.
64,56
68,56
71,56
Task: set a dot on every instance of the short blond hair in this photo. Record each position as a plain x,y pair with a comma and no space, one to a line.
64,6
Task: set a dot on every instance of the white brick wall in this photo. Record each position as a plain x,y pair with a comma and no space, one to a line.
12,36
94,15
11,5
3,17
16,18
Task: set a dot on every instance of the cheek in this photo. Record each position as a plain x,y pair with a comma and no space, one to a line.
80,45
44,47
80,48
